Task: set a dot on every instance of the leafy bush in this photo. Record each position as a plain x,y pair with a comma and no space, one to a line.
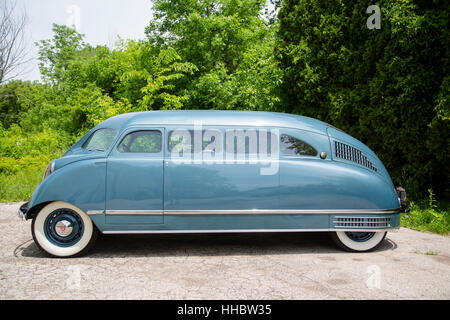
23,158
20,185
16,144
427,215
387,87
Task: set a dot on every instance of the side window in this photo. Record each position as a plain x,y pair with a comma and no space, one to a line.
141,142
249,141
183,140
292,146
100,140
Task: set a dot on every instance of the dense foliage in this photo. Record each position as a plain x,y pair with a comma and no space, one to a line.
388,87
231,44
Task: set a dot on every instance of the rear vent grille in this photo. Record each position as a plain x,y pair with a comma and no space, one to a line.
362,222
346,152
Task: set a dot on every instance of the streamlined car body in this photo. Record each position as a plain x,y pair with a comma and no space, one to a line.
213,172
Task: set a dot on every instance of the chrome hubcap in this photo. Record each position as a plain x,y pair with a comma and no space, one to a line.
63,228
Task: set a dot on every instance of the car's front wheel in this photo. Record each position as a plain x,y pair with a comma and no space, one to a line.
358,241
63,230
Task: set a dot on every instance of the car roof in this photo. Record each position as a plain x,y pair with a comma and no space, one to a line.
215,118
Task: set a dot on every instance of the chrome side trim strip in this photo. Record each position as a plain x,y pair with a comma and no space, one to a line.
135,212
237,231
210,231
95,212
281,211
234,212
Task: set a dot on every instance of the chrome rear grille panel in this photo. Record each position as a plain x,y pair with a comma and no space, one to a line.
362,222
349,153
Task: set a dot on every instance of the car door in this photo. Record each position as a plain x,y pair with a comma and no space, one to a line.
134,181
202,184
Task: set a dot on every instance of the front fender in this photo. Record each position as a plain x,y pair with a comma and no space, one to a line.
80,183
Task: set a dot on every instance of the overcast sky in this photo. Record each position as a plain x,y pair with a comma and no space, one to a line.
101,21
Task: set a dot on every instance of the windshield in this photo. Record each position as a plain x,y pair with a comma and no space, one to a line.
100,140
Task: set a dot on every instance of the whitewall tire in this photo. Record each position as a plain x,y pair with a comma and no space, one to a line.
63,230
358,241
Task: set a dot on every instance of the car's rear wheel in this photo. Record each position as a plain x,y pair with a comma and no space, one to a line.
63,230
358,241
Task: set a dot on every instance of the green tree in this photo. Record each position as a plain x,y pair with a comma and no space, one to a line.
10,107
387,87
230,42
206,32
150,76
253,86
55,54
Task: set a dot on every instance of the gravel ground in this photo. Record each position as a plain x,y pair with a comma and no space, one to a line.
408,265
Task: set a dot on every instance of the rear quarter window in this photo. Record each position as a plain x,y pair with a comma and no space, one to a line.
292,146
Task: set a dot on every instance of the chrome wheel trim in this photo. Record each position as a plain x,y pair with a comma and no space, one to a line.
40,236
63,228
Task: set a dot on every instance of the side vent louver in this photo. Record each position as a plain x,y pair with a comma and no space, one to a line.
346,152
362,222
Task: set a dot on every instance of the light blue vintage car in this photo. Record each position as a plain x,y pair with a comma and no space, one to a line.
213,172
